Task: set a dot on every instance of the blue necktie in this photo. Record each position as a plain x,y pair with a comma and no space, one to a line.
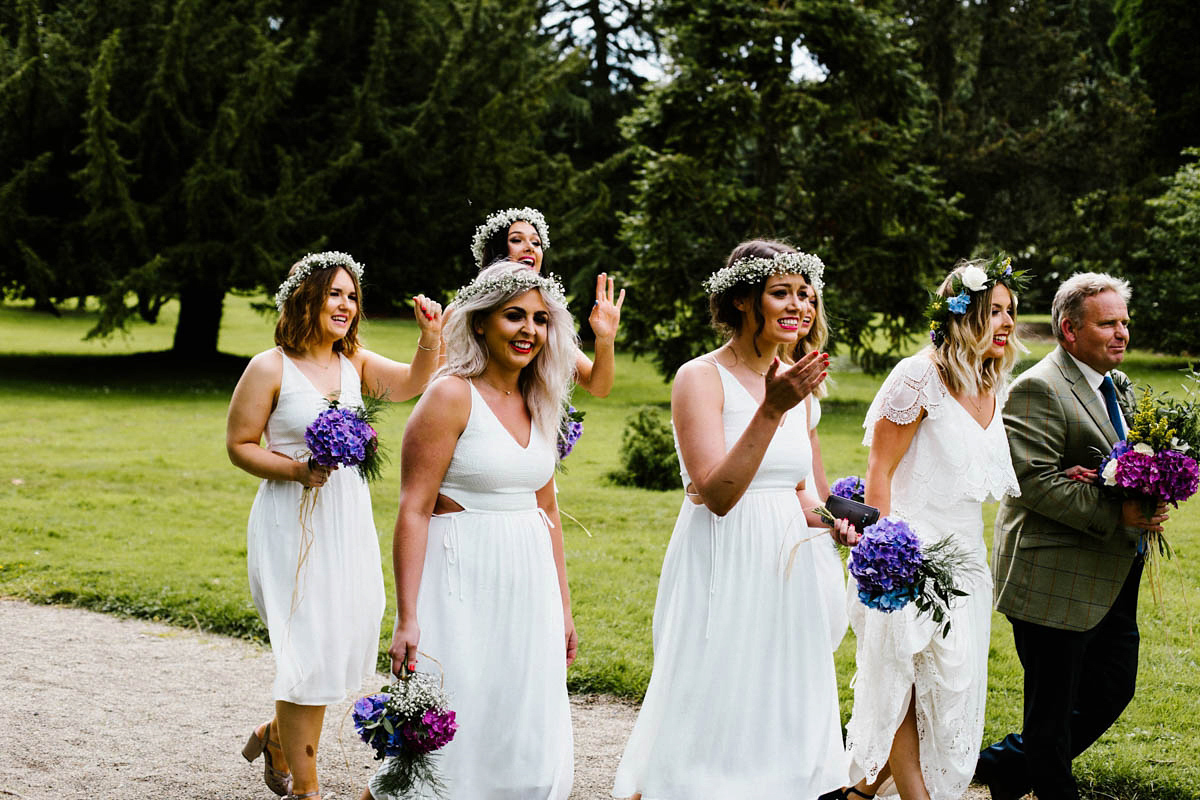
1110,402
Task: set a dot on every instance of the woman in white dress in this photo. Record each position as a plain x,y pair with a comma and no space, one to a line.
742,700
523,235
938,450
322,614
481,582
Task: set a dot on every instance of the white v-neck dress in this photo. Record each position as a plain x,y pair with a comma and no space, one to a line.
743,699
323,617
490,611
952,465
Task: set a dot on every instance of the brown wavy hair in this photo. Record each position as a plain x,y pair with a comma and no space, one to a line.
299,322
727,319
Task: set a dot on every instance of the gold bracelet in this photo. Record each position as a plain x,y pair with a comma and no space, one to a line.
430,349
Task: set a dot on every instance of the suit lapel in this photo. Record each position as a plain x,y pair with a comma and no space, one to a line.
1085,394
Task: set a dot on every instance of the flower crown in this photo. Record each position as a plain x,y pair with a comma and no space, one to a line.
965,286
513,283
310,264
755,268
503,220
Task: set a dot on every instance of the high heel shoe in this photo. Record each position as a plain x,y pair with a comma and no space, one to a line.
277,781
844,794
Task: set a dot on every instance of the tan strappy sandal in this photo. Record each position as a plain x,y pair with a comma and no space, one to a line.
276,780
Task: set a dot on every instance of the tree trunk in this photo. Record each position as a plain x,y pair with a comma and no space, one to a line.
200,309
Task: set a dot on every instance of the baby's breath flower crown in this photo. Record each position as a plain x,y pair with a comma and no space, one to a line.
310,264
968,285
511,284
755,268
503,220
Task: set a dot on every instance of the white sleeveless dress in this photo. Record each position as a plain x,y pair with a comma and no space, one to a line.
742,700
491,613
830,570
326,646
951,467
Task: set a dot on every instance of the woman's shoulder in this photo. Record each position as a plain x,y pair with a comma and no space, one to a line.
267,364
446,400
700,372
449,389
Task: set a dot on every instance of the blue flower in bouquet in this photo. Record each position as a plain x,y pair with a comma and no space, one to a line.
850,488
406,723
888,602
886,558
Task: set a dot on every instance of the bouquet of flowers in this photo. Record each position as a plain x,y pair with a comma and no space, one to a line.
570,431
407,723
849,487
342,436
893,570
1152,463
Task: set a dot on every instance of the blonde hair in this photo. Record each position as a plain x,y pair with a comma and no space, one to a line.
546,383
962,359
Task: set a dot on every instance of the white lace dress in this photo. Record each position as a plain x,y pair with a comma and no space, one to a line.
742,700
491,613
951,467
322,617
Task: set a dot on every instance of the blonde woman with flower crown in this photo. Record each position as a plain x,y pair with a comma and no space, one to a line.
481,583
322,614
523,235
743,699
938,450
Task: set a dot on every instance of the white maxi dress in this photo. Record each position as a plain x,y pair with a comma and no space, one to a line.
323,615
742,700
939,486
490,611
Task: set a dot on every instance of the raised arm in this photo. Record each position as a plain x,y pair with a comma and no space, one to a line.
395,379
718,477
596,378
253,400
430,437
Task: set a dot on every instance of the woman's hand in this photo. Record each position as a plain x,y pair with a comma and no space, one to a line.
845,533
787,386
606,314
404,646
312,475
428,314
1081,474
572,638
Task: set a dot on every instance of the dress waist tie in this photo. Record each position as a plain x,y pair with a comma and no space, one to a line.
453,550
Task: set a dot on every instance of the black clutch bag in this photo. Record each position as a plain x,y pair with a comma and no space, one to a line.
859,514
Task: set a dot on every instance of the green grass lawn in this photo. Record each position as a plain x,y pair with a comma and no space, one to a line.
116,494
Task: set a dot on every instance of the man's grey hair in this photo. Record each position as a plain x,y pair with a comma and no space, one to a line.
1068,300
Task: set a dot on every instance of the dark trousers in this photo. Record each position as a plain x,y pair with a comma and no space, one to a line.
1076,685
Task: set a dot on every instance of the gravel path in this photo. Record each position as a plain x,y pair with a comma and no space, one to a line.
103,708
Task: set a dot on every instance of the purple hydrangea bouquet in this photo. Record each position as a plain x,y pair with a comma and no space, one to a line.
343,436
850,487
893,569
407,723
1152,464
570,431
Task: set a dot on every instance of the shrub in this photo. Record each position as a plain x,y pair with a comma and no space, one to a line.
648,458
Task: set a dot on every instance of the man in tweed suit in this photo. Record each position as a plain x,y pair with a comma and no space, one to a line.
1066,560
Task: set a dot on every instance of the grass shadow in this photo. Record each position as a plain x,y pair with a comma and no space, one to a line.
155,372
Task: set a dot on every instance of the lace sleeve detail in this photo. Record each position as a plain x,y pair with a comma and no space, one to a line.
912,386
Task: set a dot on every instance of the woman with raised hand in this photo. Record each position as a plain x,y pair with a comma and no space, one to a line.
938,450
742,700
322,609
522,235
481,585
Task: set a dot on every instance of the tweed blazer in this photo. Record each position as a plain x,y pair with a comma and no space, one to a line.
1060,554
